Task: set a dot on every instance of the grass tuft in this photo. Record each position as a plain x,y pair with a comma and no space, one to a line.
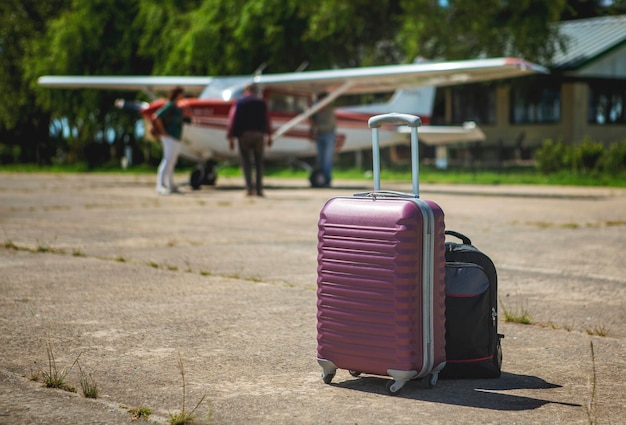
8,244
53,377
88,385
598,331
516,315
140,413
184,417
591,408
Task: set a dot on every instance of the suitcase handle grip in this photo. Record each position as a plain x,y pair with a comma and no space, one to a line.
413,122
394,118
384,194
461,236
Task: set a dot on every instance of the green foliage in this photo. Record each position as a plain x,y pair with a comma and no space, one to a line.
483,27
140,413
587,157
9,154
614,161
23,123
209,37
552,156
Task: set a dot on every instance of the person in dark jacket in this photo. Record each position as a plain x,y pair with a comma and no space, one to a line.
249,122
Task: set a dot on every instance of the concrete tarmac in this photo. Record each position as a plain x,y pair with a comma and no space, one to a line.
99,268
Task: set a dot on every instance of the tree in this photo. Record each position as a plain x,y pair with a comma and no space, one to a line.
581,9
465,29
95,38
235,37
23,124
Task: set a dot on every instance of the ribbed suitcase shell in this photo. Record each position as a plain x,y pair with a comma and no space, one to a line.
375,313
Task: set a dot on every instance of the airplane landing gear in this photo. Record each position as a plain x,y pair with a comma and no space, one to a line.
318,179
203,174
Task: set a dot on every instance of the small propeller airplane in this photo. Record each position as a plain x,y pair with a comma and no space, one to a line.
289,96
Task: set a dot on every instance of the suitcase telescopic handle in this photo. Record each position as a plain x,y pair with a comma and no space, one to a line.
393,118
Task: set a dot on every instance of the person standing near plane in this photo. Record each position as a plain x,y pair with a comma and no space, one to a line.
168,122
323,129
249,122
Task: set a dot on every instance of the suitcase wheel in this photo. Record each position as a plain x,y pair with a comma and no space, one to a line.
355,373
432,380
328,370
394,387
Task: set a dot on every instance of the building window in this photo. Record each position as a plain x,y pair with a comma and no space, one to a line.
607,101
474,102
535,101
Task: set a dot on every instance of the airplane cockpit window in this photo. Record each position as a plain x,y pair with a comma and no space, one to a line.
225,88
287,103
232,93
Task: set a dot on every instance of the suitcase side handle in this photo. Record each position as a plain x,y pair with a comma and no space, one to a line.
413,122
459,235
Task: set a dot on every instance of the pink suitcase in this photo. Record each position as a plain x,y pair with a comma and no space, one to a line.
381,279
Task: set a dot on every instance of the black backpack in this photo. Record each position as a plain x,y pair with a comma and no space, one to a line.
473,347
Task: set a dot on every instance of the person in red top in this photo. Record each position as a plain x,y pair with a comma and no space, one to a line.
249,122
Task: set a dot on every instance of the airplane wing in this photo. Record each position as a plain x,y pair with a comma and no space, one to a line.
374,79
377,79
335,82
146,83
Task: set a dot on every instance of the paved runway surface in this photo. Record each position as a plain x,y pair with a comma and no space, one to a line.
100,268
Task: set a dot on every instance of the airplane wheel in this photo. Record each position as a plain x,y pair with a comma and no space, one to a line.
196,178
210,173
206,174
318,179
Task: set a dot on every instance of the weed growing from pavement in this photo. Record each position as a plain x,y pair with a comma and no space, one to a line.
591,407
598,331
140,413
41,249
88,385
517,315
53,377
8,244
48,249
184,417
